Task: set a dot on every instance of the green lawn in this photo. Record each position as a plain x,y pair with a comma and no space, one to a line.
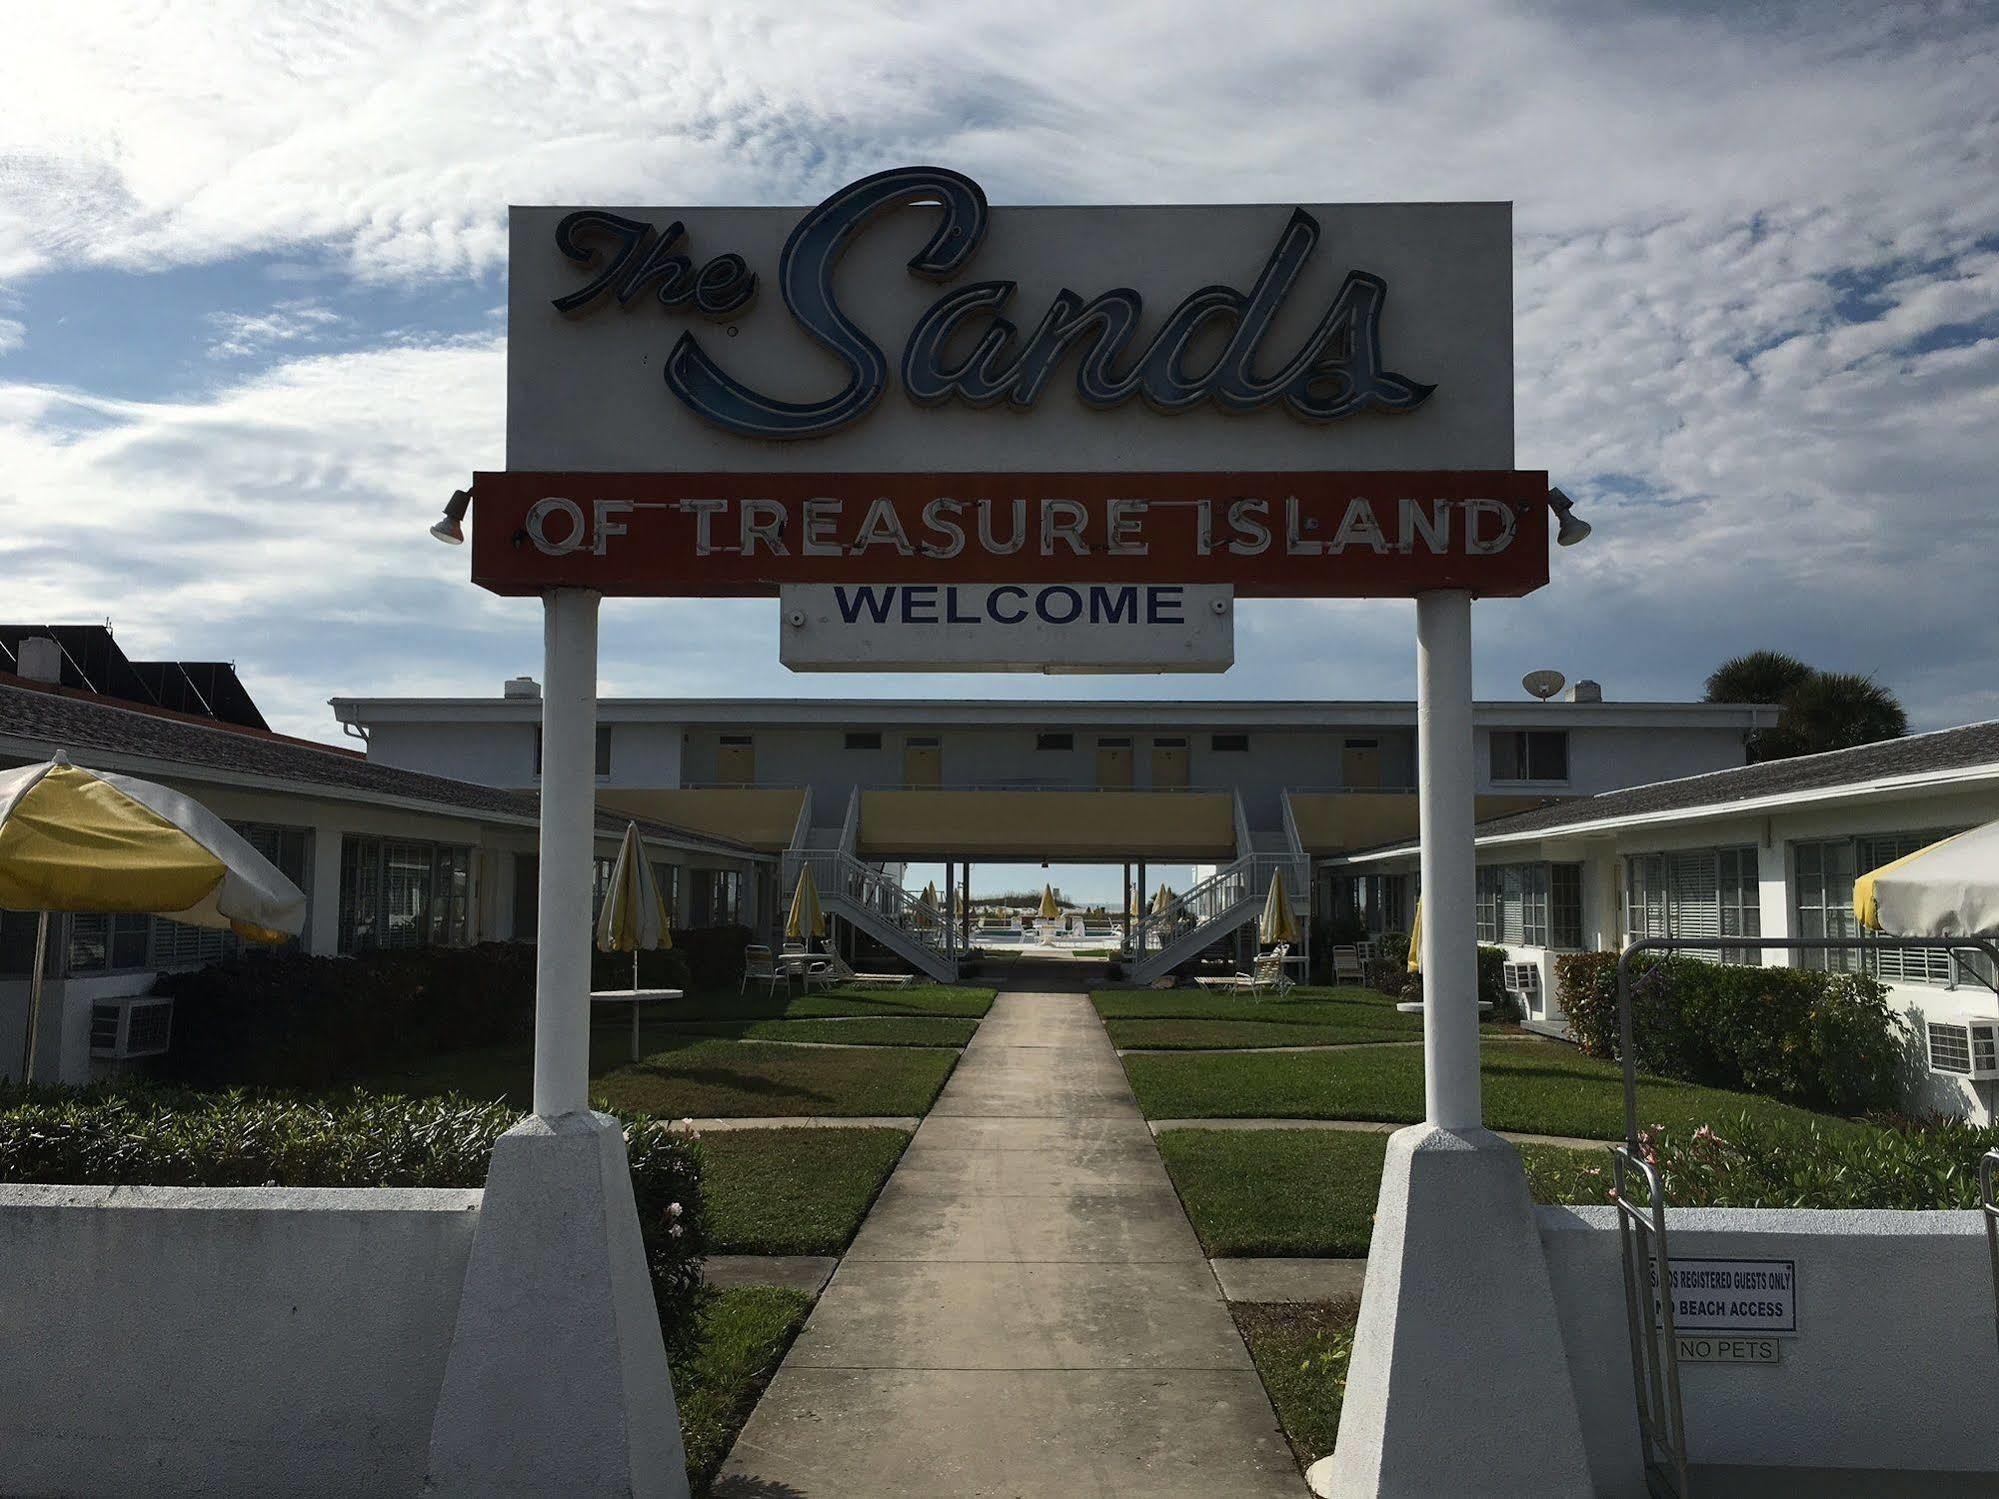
918,999
1311,1192
689,1075
793,1191
1199,1018
872,1030
1532,1086
740,1336
1301,1351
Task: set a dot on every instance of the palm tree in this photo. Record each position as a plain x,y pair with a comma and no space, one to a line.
1822,710
1758,677
1833,710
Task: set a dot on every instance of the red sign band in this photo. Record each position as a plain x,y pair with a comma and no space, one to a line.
1371,534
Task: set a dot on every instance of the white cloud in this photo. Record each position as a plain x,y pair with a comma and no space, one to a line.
13,333
1758,261
241,335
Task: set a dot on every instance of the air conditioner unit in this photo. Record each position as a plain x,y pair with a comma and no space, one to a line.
1522,979
136,1025
1965,1048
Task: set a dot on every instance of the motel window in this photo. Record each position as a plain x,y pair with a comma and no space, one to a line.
100,942
398,892
1530,754
1229,744
1700,892
667,877
869,739
603,755
1169,744
1825,871
1054,741
1529,905
717,897
1380,901
1114,744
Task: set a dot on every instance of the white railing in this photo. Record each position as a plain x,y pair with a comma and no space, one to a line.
872,893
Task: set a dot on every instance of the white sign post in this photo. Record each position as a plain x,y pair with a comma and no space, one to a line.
1055,628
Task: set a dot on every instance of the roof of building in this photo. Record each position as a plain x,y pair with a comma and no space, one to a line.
1041,712
1914,758
49,718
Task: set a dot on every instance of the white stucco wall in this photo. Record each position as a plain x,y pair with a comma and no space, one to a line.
1894,1365
245,1341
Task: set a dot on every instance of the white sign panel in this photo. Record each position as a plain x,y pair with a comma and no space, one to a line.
1708,1348
1046,627
1734,1296
905,325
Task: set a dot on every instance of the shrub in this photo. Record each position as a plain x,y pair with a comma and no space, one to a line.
176,1138
286,1020
1826,1041
1752,1163
1492,984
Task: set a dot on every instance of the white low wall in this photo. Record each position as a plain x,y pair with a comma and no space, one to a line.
252,1341
1895,1364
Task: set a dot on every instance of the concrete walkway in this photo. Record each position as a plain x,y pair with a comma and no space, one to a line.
1367,1126
1026,1313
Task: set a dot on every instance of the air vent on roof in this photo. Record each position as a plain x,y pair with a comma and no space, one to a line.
526,687
1586,691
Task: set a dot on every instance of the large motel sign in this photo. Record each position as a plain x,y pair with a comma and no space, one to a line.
906,388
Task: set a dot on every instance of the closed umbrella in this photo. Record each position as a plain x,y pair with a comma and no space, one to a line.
1946,889
807,920
1162,900
1416,939
1049,910
1278,924
928,914
634,916
83,840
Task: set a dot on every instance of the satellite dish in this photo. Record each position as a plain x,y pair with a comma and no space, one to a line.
1543,684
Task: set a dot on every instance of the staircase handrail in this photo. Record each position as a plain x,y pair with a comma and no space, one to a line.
850,829
884,898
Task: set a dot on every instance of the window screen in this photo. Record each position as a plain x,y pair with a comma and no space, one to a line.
1530,754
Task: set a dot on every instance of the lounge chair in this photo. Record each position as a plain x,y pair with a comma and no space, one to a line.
1347,965
843,974
1266,975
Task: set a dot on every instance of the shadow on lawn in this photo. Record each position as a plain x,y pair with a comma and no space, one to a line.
715,1077
744,1487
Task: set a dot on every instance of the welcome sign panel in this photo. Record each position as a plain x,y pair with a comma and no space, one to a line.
1323,535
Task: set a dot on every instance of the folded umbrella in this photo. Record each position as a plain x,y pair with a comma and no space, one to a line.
634,915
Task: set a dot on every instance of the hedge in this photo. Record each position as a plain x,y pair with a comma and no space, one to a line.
1390,974
171,1137
1755,1163
1824,1041
286,1020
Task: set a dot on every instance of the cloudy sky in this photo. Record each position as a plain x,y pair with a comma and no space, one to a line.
252,326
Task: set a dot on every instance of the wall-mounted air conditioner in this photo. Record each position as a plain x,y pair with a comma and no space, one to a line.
134,1025
1965,1048
1521,979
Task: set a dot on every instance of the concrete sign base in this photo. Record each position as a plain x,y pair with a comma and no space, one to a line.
1459,1383
557,1380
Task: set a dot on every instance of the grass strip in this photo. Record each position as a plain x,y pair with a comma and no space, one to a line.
886,1030
966,1001
793,1191
1534,1087
1348,1005
1277,1192
700,1076
1301,1351
740,1337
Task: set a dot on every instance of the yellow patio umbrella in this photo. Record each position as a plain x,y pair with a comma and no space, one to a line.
83,840
1049,910
1163,899
1949,888
1278,924
634,916
927,914
1416,939
807,920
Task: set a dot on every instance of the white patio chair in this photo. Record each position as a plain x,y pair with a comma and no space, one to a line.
1347,965
759,966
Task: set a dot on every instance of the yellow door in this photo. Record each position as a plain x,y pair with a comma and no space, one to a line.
1360,765
922,763
736,760
1114,765
1169,764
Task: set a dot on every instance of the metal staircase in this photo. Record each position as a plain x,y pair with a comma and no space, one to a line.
1228,900
867,896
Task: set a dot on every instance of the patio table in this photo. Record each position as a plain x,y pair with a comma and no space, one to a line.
634,998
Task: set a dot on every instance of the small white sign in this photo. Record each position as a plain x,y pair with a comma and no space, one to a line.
1044,627
1734,1296
1708,1348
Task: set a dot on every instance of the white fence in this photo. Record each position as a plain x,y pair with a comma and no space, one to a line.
252,1341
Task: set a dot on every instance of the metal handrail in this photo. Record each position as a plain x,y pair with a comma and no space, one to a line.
1655,1364
1656,1370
